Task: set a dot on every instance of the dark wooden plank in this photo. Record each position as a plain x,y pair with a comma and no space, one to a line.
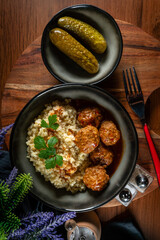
145,213
24,21
29,77
28,21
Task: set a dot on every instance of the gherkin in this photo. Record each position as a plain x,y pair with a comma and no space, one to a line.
74,50
84,31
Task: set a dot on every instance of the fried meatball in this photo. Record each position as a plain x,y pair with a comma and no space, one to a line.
90,116
95,178
109,133
101,156
87,139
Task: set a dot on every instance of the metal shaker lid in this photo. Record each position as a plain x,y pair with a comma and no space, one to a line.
82,233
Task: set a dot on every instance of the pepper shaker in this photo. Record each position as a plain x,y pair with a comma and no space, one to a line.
86,226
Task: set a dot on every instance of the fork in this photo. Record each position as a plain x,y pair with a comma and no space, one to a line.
135,99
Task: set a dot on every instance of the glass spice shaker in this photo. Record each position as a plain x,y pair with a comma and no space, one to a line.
86,226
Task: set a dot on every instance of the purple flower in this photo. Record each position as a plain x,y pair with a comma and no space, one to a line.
37,219
41,225
3,132
59,220
12,176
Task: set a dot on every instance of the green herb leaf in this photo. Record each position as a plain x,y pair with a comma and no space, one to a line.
54,126
39,142
50,163
52,122
44,124
46,153
52,151
52,119
59,160
52,141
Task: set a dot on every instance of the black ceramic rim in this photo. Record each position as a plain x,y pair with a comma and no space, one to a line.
81,6
129,173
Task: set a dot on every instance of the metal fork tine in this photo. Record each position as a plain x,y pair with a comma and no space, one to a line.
137,81
133,81
125,83
129,83
136,102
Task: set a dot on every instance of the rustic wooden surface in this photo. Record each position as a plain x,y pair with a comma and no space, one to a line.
22,22
29,76
153,111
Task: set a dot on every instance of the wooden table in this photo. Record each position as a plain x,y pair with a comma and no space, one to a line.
24,21
29,76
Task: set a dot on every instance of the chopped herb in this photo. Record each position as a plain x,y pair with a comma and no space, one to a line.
39,142
44,124
52,141
50,163
52,119
48,153
59,160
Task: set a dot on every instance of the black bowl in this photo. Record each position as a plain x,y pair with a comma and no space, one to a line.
63,68
60,198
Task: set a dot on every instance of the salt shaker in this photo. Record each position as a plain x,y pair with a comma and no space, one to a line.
86,226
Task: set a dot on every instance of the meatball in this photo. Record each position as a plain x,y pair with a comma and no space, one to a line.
90,116
109,133
87,139
95,178
101,156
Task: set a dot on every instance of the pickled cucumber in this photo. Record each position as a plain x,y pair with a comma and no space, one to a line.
86,32
73,49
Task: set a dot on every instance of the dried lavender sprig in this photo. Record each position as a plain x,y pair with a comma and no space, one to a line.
3,132
60,219
32,223
40,217
53,235
12,176
57,221
18,234
33,235
39,227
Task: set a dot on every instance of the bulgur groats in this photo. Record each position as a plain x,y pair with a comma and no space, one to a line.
70,174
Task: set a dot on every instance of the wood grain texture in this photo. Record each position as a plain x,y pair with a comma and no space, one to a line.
153,111
145,214
23,21
29,76
151,18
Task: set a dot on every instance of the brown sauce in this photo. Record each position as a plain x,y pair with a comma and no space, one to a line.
117,148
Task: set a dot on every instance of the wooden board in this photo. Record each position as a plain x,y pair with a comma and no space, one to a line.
29,76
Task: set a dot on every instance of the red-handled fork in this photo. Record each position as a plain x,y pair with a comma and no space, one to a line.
135,99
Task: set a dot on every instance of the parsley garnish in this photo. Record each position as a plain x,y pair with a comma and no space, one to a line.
51,162
48,153
52,119
39,142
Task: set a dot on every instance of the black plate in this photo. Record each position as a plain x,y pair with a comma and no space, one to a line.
60,198
64,69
